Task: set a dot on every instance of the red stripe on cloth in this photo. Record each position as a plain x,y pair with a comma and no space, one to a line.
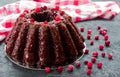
8,24
4,33
76,2
38,5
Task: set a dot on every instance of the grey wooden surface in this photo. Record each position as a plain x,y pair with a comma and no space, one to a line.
111,68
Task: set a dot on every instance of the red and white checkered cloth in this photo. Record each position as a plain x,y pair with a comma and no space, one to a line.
79,10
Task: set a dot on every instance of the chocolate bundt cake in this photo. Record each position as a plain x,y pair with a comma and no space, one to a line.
44,37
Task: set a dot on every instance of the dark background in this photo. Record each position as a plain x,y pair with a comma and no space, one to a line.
111,68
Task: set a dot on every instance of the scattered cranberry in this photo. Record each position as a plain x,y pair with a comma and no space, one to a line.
59,69
85,62
91,42
95,54
101,47
99,64
78,64
26,11
57,18
100,31
62,13
88,36
103,54
89,31
31,20
82,29
88,71
37,9
44,7
89,65
110,55
93,59
99,27
86,51
107,42
45,22
104,33
96,37
105,29
70,68
21,15
47,69
106,37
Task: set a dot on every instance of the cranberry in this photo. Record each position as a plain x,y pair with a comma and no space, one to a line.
85,62
78,64
62,13
110,55
101,47
93,59
70,68
104,33
95,54
44,7
91,42
96,37
86,51
57,8
37,9
89,31
45,22
57,18
89,65
47,69
88,36
88,71
100,31
26,11
103,54
21,15
107,42
82,29
106,37
99,64
105,29
98,27
59,69
31,20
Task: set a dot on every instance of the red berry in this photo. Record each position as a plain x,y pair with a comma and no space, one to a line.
37,9
57,18
88,36
93,59
101,47
95,54
107,42
82,29
88,71
85,62
26,11
31,20
21,15
106,37
44,7
57,8
78,64
45,22
86,51
47,69
100,31
59,69
105,29
96,37
70,68
104,33
110,55
62,13
89,65
91,42
99,64
89,31
99,27
103,54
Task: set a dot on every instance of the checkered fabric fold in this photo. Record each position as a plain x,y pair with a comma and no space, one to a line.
79,10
